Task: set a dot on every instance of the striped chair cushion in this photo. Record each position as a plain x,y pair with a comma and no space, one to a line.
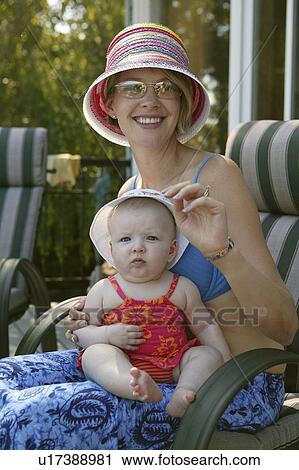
19,210
267,153
23,154
282,236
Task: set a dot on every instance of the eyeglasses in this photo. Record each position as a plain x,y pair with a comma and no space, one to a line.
136,89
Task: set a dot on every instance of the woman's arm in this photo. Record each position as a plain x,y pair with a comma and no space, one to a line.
249,268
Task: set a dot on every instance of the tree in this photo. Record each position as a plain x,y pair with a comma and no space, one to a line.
50,53
204,27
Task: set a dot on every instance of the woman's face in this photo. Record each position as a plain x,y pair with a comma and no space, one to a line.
148,121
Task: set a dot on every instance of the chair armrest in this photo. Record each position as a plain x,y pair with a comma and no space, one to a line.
38,292
217,392
9,267
44,324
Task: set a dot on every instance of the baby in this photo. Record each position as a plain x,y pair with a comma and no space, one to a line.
144,310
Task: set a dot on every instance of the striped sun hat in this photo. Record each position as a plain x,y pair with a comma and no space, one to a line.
141,46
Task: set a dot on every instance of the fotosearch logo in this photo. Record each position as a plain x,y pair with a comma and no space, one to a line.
229,316
226,316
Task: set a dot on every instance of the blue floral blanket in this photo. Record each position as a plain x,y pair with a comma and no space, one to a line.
46,403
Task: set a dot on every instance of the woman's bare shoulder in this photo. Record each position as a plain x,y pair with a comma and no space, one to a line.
224,177
218,165
228,166
212,166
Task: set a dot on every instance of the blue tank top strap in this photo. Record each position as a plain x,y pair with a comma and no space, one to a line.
201,166
134,183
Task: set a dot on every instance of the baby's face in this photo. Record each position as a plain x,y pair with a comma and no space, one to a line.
142,242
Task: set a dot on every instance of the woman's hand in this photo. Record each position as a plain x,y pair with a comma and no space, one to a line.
200,218
75,320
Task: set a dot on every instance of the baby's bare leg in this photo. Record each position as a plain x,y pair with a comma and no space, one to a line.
144,387
196,366
110,367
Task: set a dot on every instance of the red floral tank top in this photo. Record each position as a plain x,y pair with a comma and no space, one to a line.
164,326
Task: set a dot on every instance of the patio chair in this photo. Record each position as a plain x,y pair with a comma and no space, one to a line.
23,153
267,153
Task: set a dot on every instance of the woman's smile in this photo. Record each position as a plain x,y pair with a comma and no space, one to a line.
149,121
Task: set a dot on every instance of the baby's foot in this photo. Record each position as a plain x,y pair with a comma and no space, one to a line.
179,402
144,387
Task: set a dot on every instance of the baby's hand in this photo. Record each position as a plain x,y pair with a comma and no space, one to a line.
125,336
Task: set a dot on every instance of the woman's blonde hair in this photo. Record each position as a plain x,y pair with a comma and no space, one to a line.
181,81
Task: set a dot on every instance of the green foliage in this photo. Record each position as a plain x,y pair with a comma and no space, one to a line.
204,27
49,56
50,52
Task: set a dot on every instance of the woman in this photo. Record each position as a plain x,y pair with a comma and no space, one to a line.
149,99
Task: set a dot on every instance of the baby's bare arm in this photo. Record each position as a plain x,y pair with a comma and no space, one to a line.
92,333
202,323
121,335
